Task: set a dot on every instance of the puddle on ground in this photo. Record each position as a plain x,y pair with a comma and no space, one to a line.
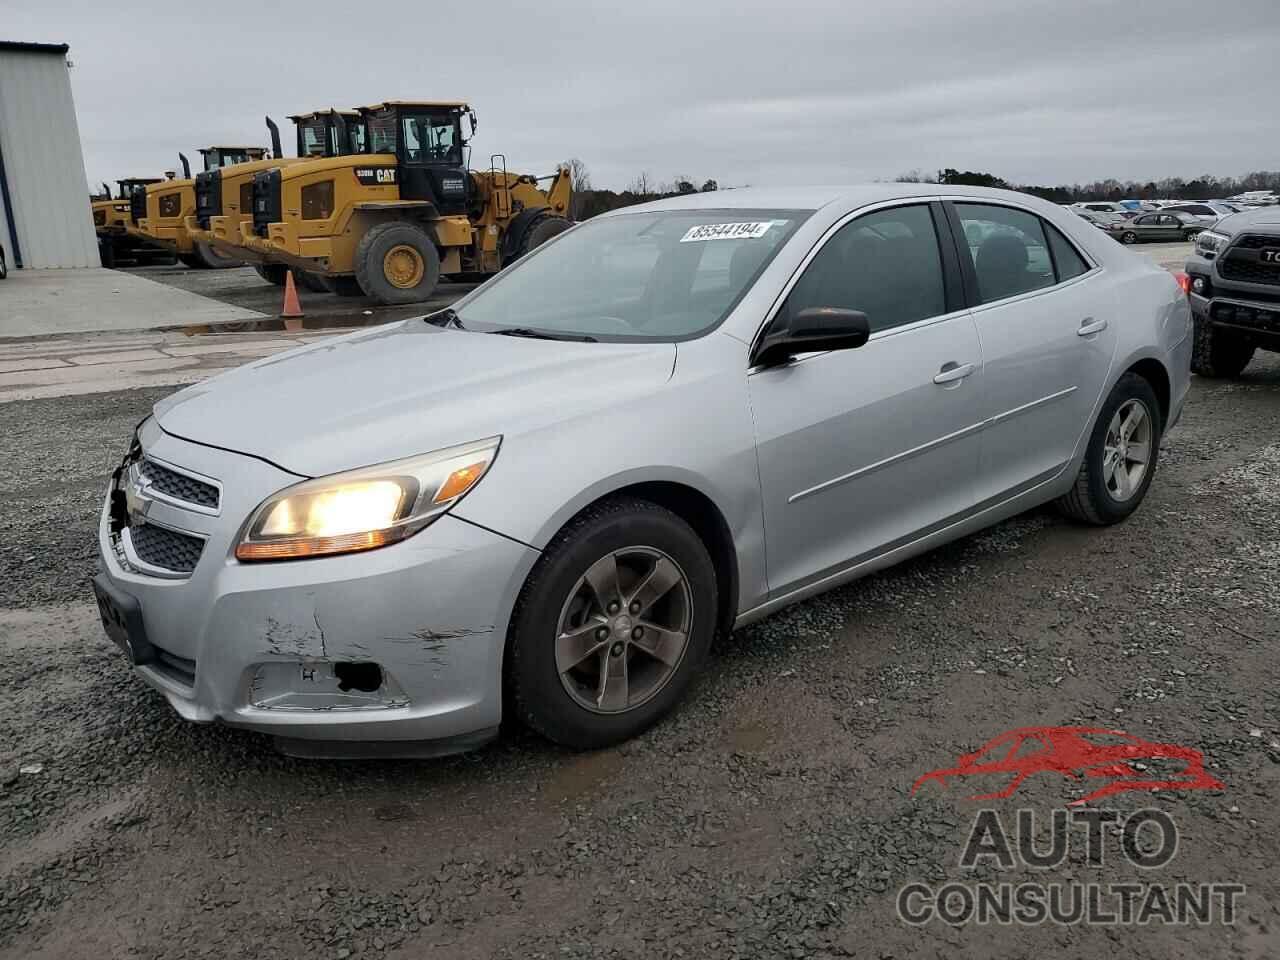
284,324
582,774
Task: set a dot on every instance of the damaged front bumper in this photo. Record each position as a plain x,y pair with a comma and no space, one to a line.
396,651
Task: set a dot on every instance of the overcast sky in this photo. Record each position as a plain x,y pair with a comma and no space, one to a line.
805,91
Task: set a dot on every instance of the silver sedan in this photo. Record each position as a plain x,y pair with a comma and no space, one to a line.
666,423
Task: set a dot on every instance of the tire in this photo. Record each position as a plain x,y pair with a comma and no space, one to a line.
1128,237
540,231
312,281
4,265
397,244
1216,353
191,261
107,253
342,286
271,272
210,259
1190,235
631,528
1091,500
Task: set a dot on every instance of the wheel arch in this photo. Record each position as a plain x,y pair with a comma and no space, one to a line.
1155,373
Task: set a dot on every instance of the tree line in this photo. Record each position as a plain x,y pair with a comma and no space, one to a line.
589,201
1205,187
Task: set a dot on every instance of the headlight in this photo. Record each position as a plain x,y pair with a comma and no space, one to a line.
365,508
1209,242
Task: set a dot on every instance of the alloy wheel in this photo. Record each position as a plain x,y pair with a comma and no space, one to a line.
1126,452
623,630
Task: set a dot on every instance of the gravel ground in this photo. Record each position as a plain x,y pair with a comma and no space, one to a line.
771,817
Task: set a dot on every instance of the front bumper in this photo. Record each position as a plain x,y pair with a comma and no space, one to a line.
257,646
1248,310
226,240
283,245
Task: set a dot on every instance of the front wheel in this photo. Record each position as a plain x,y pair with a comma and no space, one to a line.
612,625
341,286
273,273
1217,353
1121,458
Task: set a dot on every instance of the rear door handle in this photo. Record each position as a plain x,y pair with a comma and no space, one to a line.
952,371
1090,326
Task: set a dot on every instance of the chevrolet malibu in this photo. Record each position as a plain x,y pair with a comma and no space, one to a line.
666,423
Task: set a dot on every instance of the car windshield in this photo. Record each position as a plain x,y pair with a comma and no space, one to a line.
664,275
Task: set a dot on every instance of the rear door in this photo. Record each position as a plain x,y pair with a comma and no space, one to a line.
861,450
1048,330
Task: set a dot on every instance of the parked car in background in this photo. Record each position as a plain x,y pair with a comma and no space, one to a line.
443,515
1109,207
1206,213
1234,274
1156,227
1100,220
1256,198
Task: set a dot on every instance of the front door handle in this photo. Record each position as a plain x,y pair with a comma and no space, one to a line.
1090,326
952,371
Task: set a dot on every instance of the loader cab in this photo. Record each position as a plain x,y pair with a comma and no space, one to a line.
127,188
428,143
321,135
215,158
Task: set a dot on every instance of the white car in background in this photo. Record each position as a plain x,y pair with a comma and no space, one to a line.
1207,213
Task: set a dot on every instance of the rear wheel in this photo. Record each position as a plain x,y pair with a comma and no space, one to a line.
271,272
1216,353
1191,234
212,260
1128,237
540,231
1121,457
342,286
397,263
612,625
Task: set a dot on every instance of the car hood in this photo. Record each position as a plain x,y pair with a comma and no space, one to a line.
405,389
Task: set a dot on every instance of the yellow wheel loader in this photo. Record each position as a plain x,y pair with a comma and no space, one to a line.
224,196
389,222
111,222
161,214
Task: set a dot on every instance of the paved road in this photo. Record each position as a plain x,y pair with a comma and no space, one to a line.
771,817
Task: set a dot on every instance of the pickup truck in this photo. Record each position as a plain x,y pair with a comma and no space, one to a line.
1234,286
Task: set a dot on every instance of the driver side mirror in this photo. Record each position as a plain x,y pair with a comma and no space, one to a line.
811,330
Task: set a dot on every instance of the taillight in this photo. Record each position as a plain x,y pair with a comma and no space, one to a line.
1184,282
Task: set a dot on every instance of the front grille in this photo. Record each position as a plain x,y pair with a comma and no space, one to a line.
165,548
1243,260
138,205
208,196
1255,318
174,667
266,201
179,486
1255,241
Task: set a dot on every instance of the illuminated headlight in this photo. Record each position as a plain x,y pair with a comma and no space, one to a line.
365,508
1209,242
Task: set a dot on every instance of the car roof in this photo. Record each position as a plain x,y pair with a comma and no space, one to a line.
813,198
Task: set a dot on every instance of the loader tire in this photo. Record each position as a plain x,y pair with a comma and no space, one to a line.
190,261
540,231
342,286
210,259
397,263
271,272
312,281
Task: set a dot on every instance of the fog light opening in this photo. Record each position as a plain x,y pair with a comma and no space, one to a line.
365,677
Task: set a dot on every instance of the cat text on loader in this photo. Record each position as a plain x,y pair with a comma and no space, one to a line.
224,196
162,213
388,223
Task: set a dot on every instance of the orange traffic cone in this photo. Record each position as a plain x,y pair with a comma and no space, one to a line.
291,308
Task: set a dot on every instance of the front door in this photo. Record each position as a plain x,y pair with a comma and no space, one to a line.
431,166
861,450
1047,322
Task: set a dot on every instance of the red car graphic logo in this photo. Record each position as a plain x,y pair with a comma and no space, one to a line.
1078,753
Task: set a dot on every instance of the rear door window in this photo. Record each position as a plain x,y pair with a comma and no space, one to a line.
1007,248
1066,258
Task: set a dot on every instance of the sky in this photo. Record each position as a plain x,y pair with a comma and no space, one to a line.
793,92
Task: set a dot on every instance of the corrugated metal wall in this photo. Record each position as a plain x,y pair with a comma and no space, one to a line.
43,163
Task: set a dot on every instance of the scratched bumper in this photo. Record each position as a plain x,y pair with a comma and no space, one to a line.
258,641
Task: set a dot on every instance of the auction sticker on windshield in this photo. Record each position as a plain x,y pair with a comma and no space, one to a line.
727,231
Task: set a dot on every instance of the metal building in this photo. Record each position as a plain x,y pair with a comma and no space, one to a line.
44,195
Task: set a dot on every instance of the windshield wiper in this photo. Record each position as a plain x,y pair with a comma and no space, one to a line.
448,317
545,335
